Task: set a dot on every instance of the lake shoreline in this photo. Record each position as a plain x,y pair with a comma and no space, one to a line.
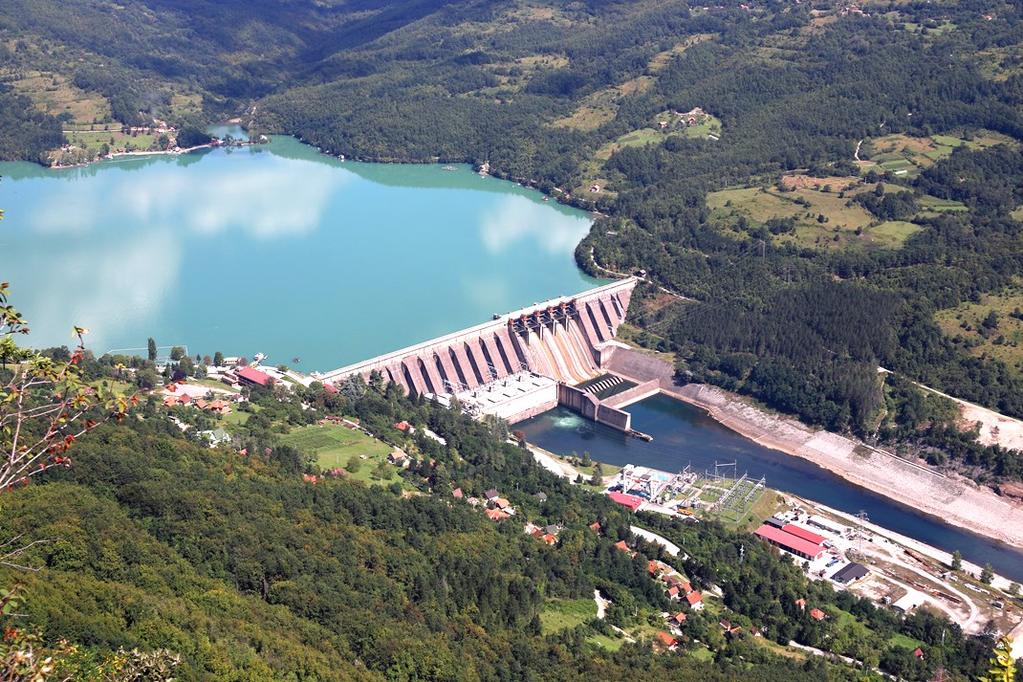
954,500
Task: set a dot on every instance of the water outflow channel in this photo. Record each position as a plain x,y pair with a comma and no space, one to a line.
683,434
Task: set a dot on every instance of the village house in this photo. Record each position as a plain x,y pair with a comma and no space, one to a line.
817,614
496,515
666,641
398,458
695,600
216,437
457,493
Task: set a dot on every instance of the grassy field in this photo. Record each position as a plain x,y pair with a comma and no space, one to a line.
933,205
907,156
1002,62
562,614
636,138
845,224
92,140
122,387
1004,340
904,641
55,94
601,107
605,642
662,59
334,446
774,647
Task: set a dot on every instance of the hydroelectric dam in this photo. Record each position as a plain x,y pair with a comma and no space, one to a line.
524,362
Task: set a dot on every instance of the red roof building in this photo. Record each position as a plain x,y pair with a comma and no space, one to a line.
803,533
790,543
595,526
253,376
679,618
622,546
630,501
673,592
817,614
918,652
666,640
694,598
496,515
550,539
457,493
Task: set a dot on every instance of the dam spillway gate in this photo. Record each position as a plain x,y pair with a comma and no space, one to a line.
514,364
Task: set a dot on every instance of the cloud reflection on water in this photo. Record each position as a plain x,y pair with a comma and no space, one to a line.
515,219
104,285
265,202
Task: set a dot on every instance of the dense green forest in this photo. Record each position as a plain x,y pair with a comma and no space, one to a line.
234,561
551,94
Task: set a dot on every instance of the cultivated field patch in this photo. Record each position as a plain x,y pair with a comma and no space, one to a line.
333,446
819,211
992,327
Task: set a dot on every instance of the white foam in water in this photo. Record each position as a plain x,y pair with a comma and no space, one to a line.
571,421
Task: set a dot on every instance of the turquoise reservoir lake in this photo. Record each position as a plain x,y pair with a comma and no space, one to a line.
275,249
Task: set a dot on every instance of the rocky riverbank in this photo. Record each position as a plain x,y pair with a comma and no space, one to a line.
956,500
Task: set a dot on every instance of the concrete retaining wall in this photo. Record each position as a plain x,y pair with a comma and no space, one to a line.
578,400
587,405
615,418
634,394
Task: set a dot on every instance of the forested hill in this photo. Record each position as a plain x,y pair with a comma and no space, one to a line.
836,184
248,562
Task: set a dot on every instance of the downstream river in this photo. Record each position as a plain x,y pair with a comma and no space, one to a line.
275,249
684,434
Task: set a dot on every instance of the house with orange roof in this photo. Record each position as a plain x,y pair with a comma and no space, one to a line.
666,640
622,546
496,515
695,600
817,614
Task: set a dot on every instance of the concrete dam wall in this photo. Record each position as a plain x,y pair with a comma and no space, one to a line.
565,339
